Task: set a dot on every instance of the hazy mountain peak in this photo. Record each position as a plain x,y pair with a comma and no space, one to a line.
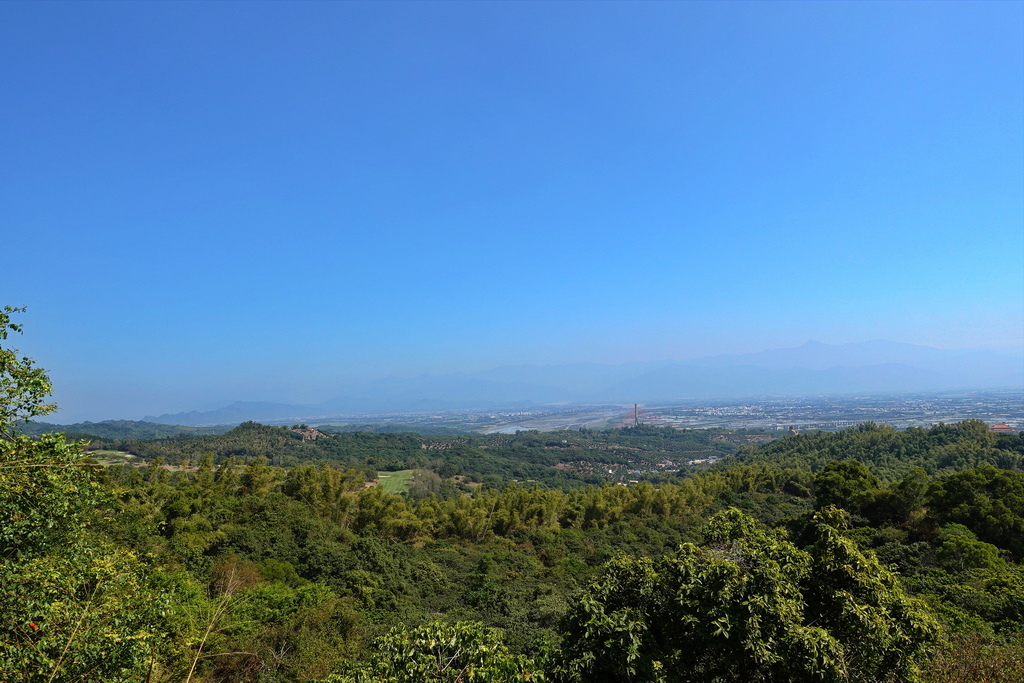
878,366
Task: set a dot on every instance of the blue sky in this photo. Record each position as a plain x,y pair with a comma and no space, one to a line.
204,202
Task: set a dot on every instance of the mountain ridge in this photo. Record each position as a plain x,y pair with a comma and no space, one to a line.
813,368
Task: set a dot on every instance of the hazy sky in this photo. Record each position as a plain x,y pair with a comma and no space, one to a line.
202,202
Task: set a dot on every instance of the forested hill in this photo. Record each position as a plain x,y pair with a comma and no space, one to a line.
565,458
891,454
575,458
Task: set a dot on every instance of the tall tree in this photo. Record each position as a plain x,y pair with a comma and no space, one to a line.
747,606
72,607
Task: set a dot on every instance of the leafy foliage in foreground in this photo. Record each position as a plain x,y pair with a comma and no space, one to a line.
73,607
23,386
748,606
442,653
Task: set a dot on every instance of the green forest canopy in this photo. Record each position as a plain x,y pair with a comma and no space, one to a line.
868,554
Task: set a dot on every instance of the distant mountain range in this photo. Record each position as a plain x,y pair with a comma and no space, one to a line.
874,367
117,429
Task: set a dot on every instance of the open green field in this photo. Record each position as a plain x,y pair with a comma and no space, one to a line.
394,482
107,458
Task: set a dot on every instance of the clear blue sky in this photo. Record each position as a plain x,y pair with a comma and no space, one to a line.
202,202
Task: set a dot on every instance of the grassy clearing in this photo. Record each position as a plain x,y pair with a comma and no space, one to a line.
107,458
394,482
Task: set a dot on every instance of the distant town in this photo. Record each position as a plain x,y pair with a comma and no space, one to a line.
830,413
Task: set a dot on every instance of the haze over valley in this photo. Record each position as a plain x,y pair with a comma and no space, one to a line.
812,369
